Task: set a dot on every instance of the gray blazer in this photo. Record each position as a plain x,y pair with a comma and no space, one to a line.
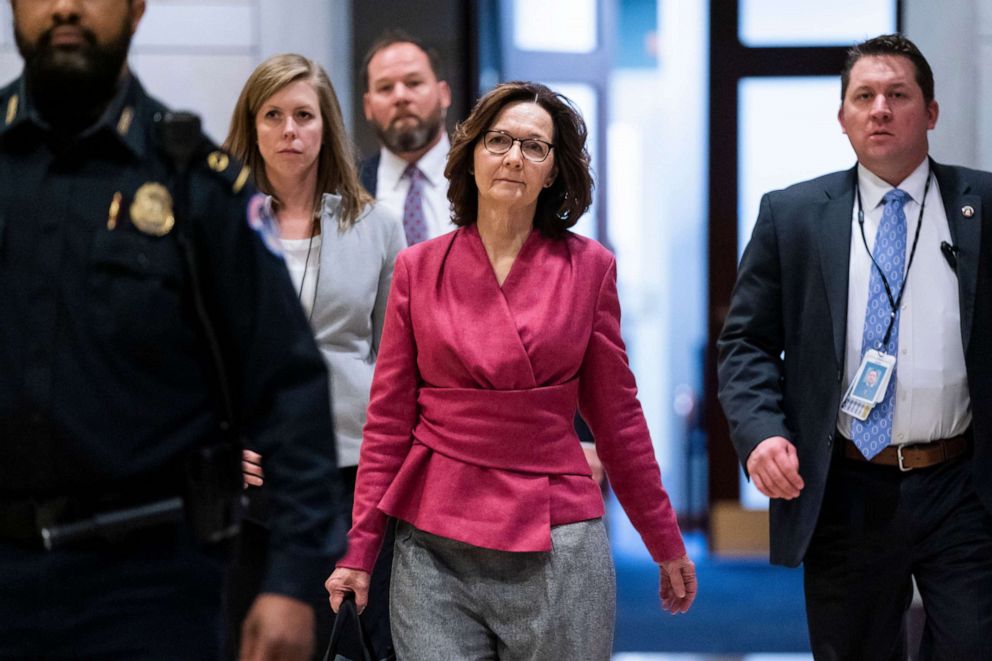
356,269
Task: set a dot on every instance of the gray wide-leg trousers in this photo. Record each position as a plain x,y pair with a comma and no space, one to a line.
452,601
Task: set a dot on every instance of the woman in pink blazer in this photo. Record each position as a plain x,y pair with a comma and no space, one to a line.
494,335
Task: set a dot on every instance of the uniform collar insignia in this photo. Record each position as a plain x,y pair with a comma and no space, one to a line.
11,109
124,121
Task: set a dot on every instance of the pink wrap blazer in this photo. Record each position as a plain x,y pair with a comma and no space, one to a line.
469,433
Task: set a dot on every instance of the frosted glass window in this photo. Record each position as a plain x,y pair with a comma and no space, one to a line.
814,22
558,26
787,132
584,97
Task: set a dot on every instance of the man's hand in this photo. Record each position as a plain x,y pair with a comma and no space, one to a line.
278,628
343,581
774,468
678,585
251,468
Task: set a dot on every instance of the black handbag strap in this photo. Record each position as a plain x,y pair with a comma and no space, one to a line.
346,611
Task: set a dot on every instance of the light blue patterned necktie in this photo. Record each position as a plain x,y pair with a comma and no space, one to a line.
874,434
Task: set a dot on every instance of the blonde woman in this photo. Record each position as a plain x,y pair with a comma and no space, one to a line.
339,248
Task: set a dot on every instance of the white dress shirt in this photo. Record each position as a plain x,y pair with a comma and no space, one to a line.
393,186
931,390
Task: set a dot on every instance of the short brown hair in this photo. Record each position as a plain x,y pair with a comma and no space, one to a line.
890,44
396,36
560,205
336,170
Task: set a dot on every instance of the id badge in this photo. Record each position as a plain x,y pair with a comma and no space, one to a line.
869,384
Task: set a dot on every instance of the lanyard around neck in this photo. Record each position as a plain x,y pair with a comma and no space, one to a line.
894,302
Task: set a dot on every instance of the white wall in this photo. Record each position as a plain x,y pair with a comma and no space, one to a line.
956,38
196,54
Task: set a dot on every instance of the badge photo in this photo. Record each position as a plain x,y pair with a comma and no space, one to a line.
869,385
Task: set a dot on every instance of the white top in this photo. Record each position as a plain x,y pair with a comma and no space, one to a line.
931,391
303,261
392,186
349,305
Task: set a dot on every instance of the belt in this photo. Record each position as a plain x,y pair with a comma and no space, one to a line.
914,455
21,520
29,521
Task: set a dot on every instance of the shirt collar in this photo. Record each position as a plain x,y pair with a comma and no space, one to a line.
329,205
431,164
873,188
118,119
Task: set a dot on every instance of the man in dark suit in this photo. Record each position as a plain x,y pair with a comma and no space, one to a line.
406,100
882,268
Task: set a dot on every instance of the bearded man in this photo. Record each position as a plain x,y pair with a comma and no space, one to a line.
116,274
406,99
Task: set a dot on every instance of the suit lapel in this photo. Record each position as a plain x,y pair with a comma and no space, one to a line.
966,237
369,173
833,225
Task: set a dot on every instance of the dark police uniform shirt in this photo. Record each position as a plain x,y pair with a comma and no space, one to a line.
104,375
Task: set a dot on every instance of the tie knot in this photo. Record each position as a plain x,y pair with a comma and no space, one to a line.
896,197
413,173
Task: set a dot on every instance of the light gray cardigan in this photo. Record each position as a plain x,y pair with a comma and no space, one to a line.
356,269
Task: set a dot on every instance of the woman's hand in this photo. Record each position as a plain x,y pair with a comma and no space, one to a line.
678,584
343,581
251,467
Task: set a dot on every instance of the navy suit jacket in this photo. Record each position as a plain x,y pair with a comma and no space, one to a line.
791,297
368,172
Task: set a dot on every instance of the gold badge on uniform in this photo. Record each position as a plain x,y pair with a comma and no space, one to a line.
151,211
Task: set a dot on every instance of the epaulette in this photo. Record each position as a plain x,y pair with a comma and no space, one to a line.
228,168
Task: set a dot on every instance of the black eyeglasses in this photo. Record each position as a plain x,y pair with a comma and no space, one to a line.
534,150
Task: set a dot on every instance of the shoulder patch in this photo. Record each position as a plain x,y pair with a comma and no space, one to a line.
262,220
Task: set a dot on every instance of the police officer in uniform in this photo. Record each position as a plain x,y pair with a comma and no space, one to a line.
108,382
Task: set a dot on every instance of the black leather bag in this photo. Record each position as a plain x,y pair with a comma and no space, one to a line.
347,611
